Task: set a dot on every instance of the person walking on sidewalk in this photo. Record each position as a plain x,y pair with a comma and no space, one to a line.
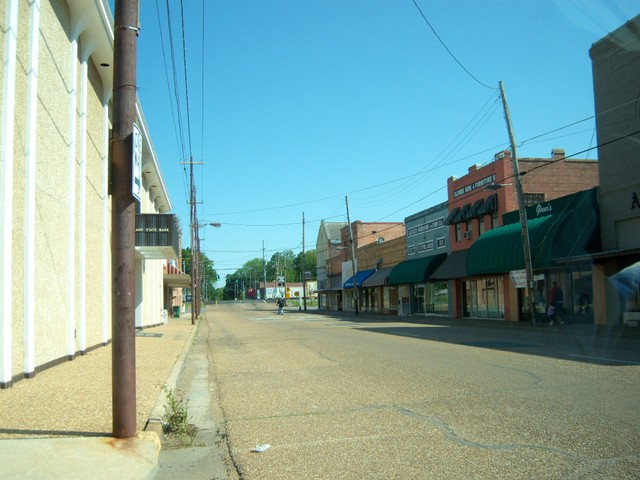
555,304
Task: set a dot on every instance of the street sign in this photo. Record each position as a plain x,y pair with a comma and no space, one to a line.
136,160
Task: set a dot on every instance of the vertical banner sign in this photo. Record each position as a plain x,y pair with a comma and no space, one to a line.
136,177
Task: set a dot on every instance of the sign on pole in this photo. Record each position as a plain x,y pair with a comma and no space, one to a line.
136,177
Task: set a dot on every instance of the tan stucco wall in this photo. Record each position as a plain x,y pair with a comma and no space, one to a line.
56,333
51,185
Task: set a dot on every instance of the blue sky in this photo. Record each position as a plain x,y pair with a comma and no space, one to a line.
294,104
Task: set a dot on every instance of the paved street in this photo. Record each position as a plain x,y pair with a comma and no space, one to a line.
364,397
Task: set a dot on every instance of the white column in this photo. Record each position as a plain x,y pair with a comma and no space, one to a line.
82,222
71,195
106,252
138,286
30,190
6,184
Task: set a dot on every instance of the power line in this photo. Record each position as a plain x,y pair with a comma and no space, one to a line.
186,78
447,48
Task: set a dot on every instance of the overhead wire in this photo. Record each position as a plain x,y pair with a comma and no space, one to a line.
186,78
448,50
464,135
174,98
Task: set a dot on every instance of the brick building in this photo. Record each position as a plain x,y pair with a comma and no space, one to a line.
477,202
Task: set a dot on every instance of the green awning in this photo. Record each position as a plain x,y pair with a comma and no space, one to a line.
567,234
415,271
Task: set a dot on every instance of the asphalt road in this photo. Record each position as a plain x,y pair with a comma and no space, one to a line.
345,397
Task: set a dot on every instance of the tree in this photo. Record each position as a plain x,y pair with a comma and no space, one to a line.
208,274
281,265
306,264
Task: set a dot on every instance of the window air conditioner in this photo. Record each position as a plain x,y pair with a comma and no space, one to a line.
468,235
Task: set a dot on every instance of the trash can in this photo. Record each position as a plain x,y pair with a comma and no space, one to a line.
176,311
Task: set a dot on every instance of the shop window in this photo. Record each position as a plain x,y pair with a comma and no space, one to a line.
438,298
484,298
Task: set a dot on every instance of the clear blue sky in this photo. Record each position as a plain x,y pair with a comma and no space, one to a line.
294,104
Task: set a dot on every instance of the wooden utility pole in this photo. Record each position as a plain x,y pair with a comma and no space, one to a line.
304,267
354,265
194,233
524,228
123,216
264,272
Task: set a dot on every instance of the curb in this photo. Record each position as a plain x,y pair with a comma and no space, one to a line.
154,422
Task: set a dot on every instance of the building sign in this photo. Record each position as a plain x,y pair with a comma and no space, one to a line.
519,278
157,236
427,227
475,185
136,160
543,209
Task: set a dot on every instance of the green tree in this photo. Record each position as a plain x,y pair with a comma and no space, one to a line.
208,274
281,264
242,280
305,264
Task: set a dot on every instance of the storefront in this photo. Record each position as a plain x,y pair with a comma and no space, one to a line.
420,295
349,290
567,227
374,291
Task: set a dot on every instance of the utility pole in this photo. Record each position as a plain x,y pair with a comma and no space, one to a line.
524,228
123,215
264,272
304,267
354,265
194,234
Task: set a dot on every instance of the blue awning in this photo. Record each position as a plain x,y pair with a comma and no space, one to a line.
360,277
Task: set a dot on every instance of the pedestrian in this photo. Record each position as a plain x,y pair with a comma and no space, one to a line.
555,304
280,303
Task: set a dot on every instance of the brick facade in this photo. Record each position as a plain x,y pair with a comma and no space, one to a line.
548,178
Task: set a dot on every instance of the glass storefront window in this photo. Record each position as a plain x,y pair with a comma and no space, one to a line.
440,292
484,298
432,297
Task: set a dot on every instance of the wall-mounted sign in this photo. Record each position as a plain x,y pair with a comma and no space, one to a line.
480,183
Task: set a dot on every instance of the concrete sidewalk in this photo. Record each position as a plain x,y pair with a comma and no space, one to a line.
58,424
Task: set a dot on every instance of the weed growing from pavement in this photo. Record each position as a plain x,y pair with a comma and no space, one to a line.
175,422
